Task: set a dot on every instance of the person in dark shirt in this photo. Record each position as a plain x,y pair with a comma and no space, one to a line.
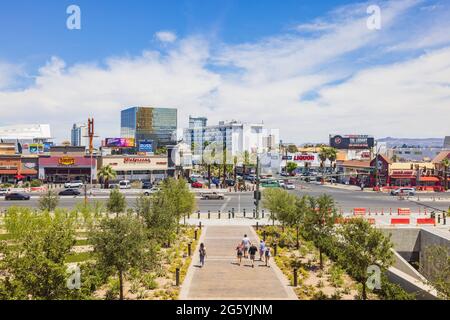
252,251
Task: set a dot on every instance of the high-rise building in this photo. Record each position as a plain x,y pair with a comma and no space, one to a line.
447,143
79,135
150,124
197,122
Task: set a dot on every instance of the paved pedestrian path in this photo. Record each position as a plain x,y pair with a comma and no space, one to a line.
223,279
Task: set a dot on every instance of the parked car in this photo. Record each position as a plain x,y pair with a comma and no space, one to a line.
196,176
197,185
74,184
230,182
281,183
213,195
147,185
3,191
403,192
125,184
17,196
70,192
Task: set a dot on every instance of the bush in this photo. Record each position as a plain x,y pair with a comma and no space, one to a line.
149,282
36,183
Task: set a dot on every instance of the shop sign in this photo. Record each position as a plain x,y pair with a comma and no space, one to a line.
66,161
406,173
136,160
304,157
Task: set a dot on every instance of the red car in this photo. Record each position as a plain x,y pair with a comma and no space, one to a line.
197,185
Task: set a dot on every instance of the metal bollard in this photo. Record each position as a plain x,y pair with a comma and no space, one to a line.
262,213
200,225
257,225
198,214
195,234
274,249
219,214
244,212
295,277
177,277
209,214
264,235
254,213
189,249
229,214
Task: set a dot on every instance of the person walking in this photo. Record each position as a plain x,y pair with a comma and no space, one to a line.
267,255
239,253
262,248
252,251
246,243
202,252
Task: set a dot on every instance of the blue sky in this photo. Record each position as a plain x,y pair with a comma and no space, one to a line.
308,68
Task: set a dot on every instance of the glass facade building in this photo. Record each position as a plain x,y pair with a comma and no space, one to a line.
152,124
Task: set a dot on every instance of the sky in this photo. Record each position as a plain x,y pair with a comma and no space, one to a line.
307,68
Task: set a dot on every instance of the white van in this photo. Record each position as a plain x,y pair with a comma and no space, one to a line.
124,184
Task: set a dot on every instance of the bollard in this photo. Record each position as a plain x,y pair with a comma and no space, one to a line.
257,226
295,277
244,212
198,214
264,235
390,211
274,249
219,215
177,277
254,213
439,219
232,212
229,214
195,234
200,225
209,214
189,249
262,213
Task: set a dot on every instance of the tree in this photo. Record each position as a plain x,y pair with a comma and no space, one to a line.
280,203
177,197
116,202
323,156
33,262
445,164
297,217
292,148
436,268
291,166
107,173
332,155
321,215
49,201
120,244
364,246
235,161
246,162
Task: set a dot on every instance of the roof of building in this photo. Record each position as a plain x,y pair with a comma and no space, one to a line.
441,156
25,131
355,163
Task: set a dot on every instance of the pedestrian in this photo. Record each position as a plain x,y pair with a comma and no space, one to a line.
262,248
267,255
252,251
239,252
202,252
246,243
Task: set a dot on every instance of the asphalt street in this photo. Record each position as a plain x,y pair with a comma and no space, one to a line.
346,200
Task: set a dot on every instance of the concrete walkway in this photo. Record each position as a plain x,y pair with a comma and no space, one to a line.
223,279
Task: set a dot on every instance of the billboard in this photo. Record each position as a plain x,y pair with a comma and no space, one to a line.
120,142
352,141
146,146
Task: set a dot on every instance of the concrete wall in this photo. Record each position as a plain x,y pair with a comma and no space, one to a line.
406,241
430,237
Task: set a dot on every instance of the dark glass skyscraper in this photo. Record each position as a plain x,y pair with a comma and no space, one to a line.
152,124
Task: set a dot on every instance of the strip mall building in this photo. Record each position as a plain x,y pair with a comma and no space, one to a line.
143,168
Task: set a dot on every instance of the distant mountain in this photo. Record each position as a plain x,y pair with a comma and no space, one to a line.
413,142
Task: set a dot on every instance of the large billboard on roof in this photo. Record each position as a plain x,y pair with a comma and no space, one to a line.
354,141
120,142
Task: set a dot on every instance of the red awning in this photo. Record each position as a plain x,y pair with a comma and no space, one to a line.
429,179
403,177
8,172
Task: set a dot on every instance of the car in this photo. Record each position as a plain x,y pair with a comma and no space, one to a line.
124,184
3,191
213,195
17,196
281,183
403,191
197,185
196,176
230,182
151,191
74,184
289,186
147,185
70,192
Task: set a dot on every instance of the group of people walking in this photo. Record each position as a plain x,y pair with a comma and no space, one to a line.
247,249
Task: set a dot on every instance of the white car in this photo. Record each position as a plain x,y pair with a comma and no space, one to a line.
281,183
196,176
74,184
124,184
151,191
289,186
3,191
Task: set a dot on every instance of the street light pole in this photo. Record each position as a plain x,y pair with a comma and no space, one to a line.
257,194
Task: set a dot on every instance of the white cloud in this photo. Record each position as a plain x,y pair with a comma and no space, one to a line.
262,81
166,36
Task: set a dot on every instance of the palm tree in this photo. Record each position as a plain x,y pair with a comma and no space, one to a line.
246,161
332,156
107,173
323,156
446,164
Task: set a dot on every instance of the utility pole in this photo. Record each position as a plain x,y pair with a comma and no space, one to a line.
91,136
257,192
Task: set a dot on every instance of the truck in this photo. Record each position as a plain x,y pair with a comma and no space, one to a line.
212,195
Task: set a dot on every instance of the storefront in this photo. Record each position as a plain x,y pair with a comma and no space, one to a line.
380,176
355,172
14,168
305,161
137,168
59,169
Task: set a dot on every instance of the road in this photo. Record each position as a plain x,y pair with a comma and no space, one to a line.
346,200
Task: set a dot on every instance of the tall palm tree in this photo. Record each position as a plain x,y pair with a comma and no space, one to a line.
107,173
446,164
323,156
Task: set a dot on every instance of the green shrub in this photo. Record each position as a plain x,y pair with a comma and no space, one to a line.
149,281
36,183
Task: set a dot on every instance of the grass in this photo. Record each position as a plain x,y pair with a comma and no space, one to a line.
82,242
5,236
79,257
